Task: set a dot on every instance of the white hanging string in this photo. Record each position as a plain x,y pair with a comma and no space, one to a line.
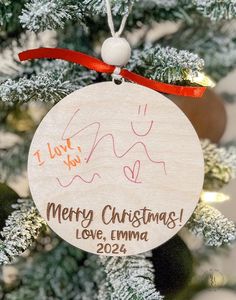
111,23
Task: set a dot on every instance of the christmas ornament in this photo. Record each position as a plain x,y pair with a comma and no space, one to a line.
111,167
208,114
8,197
115,169
173,264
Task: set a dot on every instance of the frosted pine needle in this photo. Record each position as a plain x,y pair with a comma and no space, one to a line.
42,15
215,9
129,278
208,223
22,228
165,63
220,165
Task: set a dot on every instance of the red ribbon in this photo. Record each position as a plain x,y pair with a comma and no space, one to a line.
99,66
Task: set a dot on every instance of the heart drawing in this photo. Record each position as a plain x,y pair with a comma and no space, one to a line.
132,173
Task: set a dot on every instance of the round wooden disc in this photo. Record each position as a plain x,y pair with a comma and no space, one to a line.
115,169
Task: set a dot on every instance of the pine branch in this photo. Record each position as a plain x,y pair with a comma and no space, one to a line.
220,165
165,64
212,9
22,228
119,7
219,54
128,278
43,88
13,160
215,44
43,14
209,223
188,11
216,10
52,82
167,4
5,14
63,272
9,21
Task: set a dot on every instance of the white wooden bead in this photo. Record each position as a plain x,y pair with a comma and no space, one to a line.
116,51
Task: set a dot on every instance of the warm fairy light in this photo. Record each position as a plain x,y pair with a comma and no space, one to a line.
214,197
216,279
200,78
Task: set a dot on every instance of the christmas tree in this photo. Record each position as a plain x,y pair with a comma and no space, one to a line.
203,41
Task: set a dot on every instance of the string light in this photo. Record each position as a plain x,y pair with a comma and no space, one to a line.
200,78
214,197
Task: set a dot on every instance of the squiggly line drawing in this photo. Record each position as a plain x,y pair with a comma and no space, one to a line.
98,141
78,177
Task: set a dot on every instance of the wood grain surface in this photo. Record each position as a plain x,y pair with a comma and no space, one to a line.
115,169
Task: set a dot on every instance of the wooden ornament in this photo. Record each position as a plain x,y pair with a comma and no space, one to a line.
115,169
207,114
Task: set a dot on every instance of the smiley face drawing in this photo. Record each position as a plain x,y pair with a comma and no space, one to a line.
149,126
